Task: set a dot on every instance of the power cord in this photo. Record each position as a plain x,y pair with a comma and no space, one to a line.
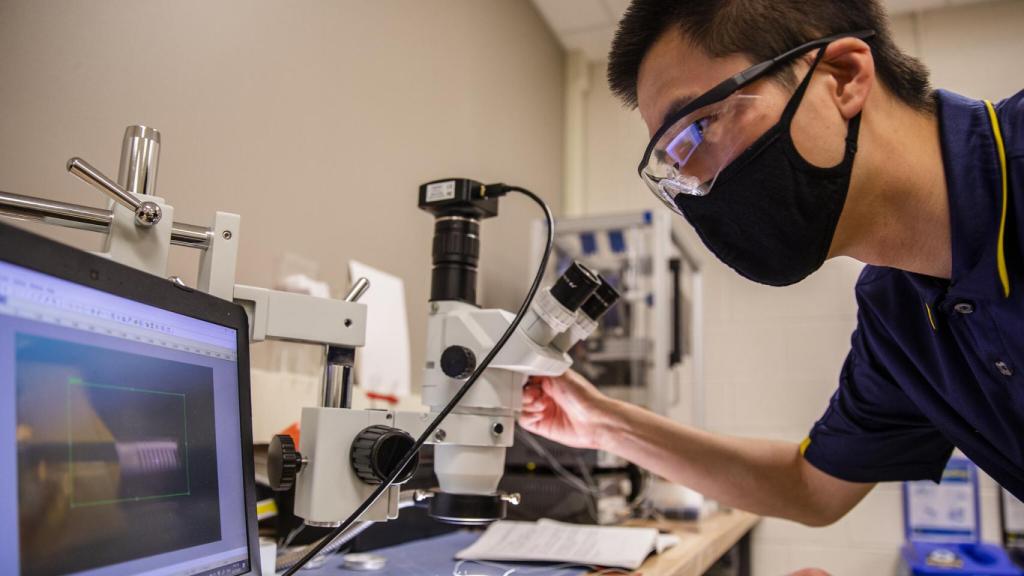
491,190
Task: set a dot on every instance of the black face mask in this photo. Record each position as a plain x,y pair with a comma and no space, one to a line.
771,215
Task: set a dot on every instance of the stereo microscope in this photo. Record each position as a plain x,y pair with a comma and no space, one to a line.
346,454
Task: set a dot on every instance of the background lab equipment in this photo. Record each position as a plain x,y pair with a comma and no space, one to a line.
943,528
1011,513
126,420
646,350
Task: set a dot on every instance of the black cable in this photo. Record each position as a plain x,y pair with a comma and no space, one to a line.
429,431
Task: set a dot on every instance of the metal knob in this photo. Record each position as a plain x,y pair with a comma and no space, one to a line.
283,463
147,213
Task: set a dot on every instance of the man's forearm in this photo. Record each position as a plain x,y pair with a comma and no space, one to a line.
763,476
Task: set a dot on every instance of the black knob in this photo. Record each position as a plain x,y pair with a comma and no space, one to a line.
377,450
458,362
283,463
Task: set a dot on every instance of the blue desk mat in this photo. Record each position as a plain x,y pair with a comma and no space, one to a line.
436,557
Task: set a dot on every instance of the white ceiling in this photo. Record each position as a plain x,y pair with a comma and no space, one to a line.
588,25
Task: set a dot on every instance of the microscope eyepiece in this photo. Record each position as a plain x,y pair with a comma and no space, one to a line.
574,287
603,298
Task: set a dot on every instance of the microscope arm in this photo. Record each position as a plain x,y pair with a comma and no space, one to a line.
278,315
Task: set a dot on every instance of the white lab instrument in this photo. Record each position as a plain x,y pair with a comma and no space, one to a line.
346,454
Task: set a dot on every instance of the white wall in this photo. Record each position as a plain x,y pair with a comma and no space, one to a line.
316,121
974,50
772,355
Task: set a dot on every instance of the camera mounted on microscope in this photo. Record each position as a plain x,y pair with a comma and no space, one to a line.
458,205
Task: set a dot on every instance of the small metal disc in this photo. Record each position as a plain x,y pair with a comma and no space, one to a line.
364,562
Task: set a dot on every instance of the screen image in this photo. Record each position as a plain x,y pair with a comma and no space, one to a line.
143,447
122,423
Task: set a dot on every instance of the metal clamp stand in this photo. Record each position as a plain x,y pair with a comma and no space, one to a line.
140,231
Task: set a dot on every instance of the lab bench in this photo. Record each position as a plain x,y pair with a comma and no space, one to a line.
701,545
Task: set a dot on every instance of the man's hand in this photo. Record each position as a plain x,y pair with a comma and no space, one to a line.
566,409
763,476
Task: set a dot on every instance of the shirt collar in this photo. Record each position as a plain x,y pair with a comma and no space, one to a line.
972,180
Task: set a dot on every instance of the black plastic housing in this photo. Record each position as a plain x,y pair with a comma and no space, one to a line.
467,509
456,253
457,197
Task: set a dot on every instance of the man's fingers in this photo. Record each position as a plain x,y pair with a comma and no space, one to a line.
531,416
531,394
532,408
556,388
530,421
538,403
536,381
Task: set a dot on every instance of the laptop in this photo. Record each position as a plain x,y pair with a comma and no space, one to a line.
125,421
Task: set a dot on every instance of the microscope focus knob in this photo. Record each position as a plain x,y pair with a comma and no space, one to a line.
458,362
377,450
283,463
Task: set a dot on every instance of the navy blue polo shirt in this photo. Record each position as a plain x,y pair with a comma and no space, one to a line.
940,363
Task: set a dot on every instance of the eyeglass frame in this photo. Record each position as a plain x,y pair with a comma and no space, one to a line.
731,85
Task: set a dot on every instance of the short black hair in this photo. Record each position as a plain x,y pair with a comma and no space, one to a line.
761,30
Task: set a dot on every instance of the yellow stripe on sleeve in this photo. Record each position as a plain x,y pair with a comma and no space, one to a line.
803,445
1004,276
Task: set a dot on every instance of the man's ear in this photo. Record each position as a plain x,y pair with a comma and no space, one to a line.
849,62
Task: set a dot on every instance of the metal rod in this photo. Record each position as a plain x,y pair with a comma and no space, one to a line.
99,181
53,212
357,290
140,156
336,389
88,218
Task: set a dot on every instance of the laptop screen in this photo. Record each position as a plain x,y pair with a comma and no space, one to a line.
121,421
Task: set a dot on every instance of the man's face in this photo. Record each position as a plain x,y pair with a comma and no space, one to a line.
674,72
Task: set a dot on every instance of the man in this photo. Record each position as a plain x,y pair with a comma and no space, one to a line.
790,131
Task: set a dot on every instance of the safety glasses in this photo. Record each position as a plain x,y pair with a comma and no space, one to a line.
691,148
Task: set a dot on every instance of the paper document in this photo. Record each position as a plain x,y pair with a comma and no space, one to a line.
384,365
551,541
